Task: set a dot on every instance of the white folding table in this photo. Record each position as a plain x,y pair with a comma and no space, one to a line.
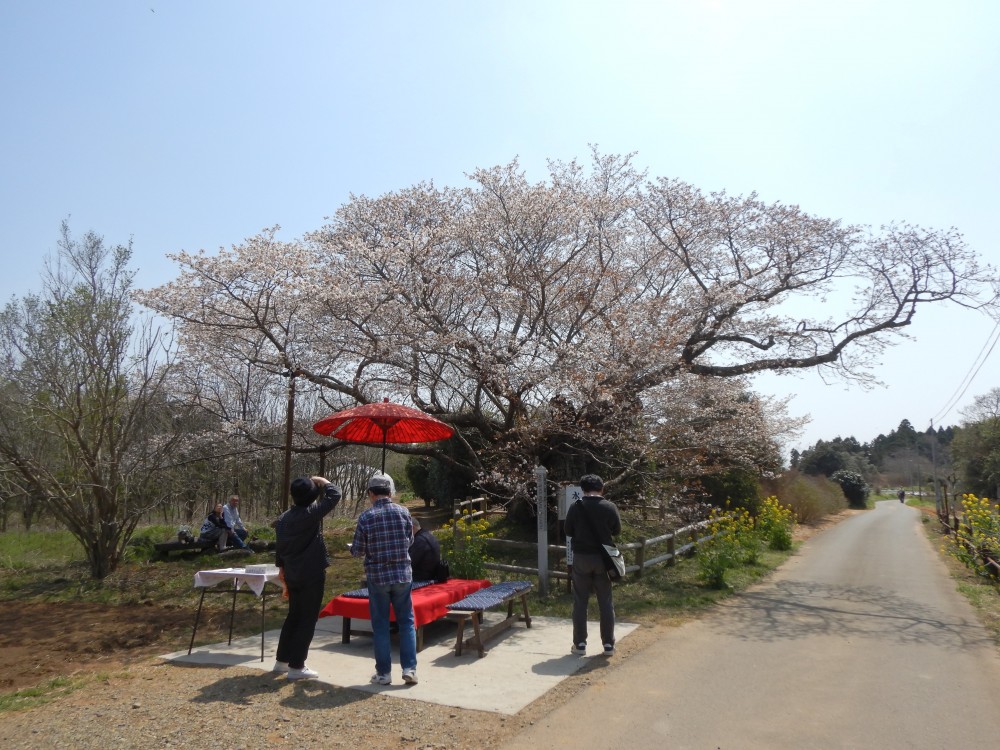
254,582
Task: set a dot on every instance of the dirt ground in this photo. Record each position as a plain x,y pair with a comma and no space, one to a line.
40,641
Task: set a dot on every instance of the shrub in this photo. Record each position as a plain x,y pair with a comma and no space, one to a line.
810,498
733,488
463,545
733,542
854,486
980,537
775,524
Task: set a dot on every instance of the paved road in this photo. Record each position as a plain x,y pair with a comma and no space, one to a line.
859,641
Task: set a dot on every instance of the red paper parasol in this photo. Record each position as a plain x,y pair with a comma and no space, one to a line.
383,423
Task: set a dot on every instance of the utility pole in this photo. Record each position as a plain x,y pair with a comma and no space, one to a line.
937,491
289,424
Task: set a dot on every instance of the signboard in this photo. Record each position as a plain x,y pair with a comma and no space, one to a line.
569,495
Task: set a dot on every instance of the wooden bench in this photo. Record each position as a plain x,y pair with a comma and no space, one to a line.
196,545
473,606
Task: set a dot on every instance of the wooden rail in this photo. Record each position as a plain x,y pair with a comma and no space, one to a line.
675,544
954,528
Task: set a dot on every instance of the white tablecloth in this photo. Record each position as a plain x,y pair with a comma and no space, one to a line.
239,576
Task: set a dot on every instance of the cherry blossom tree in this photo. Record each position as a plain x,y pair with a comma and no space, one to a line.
600,320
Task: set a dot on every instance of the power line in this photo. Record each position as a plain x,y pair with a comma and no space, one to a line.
970,375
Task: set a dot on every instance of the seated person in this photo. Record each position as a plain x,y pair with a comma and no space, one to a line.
214,528
425,553
231,515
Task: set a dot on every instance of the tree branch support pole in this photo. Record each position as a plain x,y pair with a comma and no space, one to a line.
543,531
289,424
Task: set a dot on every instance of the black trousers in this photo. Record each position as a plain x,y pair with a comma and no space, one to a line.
305,599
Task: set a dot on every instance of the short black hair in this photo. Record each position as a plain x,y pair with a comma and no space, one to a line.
304,490
591,482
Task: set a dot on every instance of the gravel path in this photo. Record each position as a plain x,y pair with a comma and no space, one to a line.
152,705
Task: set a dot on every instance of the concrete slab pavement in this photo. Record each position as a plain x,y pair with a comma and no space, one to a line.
521,663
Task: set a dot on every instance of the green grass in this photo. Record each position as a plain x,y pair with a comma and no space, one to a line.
28,550
47,692
983,593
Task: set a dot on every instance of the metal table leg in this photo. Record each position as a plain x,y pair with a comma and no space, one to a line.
197,617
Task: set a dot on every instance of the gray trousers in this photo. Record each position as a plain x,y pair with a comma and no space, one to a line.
589,576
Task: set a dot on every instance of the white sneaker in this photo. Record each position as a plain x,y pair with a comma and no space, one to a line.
410,676
579,649
381,679
302,674
280,667
609,649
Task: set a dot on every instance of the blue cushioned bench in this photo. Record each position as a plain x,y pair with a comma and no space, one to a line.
474,605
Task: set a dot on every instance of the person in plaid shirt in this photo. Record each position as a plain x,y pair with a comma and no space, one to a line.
383,537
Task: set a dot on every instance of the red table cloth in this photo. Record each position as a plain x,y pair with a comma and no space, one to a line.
429,602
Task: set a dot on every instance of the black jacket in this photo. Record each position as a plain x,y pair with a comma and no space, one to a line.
300,549
606,522
425,554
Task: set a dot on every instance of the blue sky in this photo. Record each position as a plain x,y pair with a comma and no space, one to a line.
190,124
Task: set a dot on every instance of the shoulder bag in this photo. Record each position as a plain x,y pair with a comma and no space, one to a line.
614,563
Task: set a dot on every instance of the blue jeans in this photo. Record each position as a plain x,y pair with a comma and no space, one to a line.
379,599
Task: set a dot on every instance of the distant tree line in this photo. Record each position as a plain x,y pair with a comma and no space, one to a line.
944,461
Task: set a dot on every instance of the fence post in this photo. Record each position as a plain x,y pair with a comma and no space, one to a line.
543,531
456,517
672,549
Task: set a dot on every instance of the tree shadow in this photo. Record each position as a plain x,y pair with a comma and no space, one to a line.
792,610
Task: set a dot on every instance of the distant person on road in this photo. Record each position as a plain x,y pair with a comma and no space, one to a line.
301,555
901,495
425,554
383,537
231,514
592,521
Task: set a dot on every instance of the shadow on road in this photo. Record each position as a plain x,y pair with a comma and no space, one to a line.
796,609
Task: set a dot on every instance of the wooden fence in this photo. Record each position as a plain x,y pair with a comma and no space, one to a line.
954,528
645,553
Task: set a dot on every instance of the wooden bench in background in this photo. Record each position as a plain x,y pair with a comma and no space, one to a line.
473,606
197,546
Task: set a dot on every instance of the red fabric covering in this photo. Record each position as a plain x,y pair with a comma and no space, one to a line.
429,602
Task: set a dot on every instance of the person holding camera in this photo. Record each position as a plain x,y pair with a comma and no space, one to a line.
302,557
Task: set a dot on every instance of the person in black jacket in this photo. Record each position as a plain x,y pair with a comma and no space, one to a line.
425,553
592,521
302,557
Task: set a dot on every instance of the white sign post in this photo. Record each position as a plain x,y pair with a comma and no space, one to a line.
543,531
570,494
